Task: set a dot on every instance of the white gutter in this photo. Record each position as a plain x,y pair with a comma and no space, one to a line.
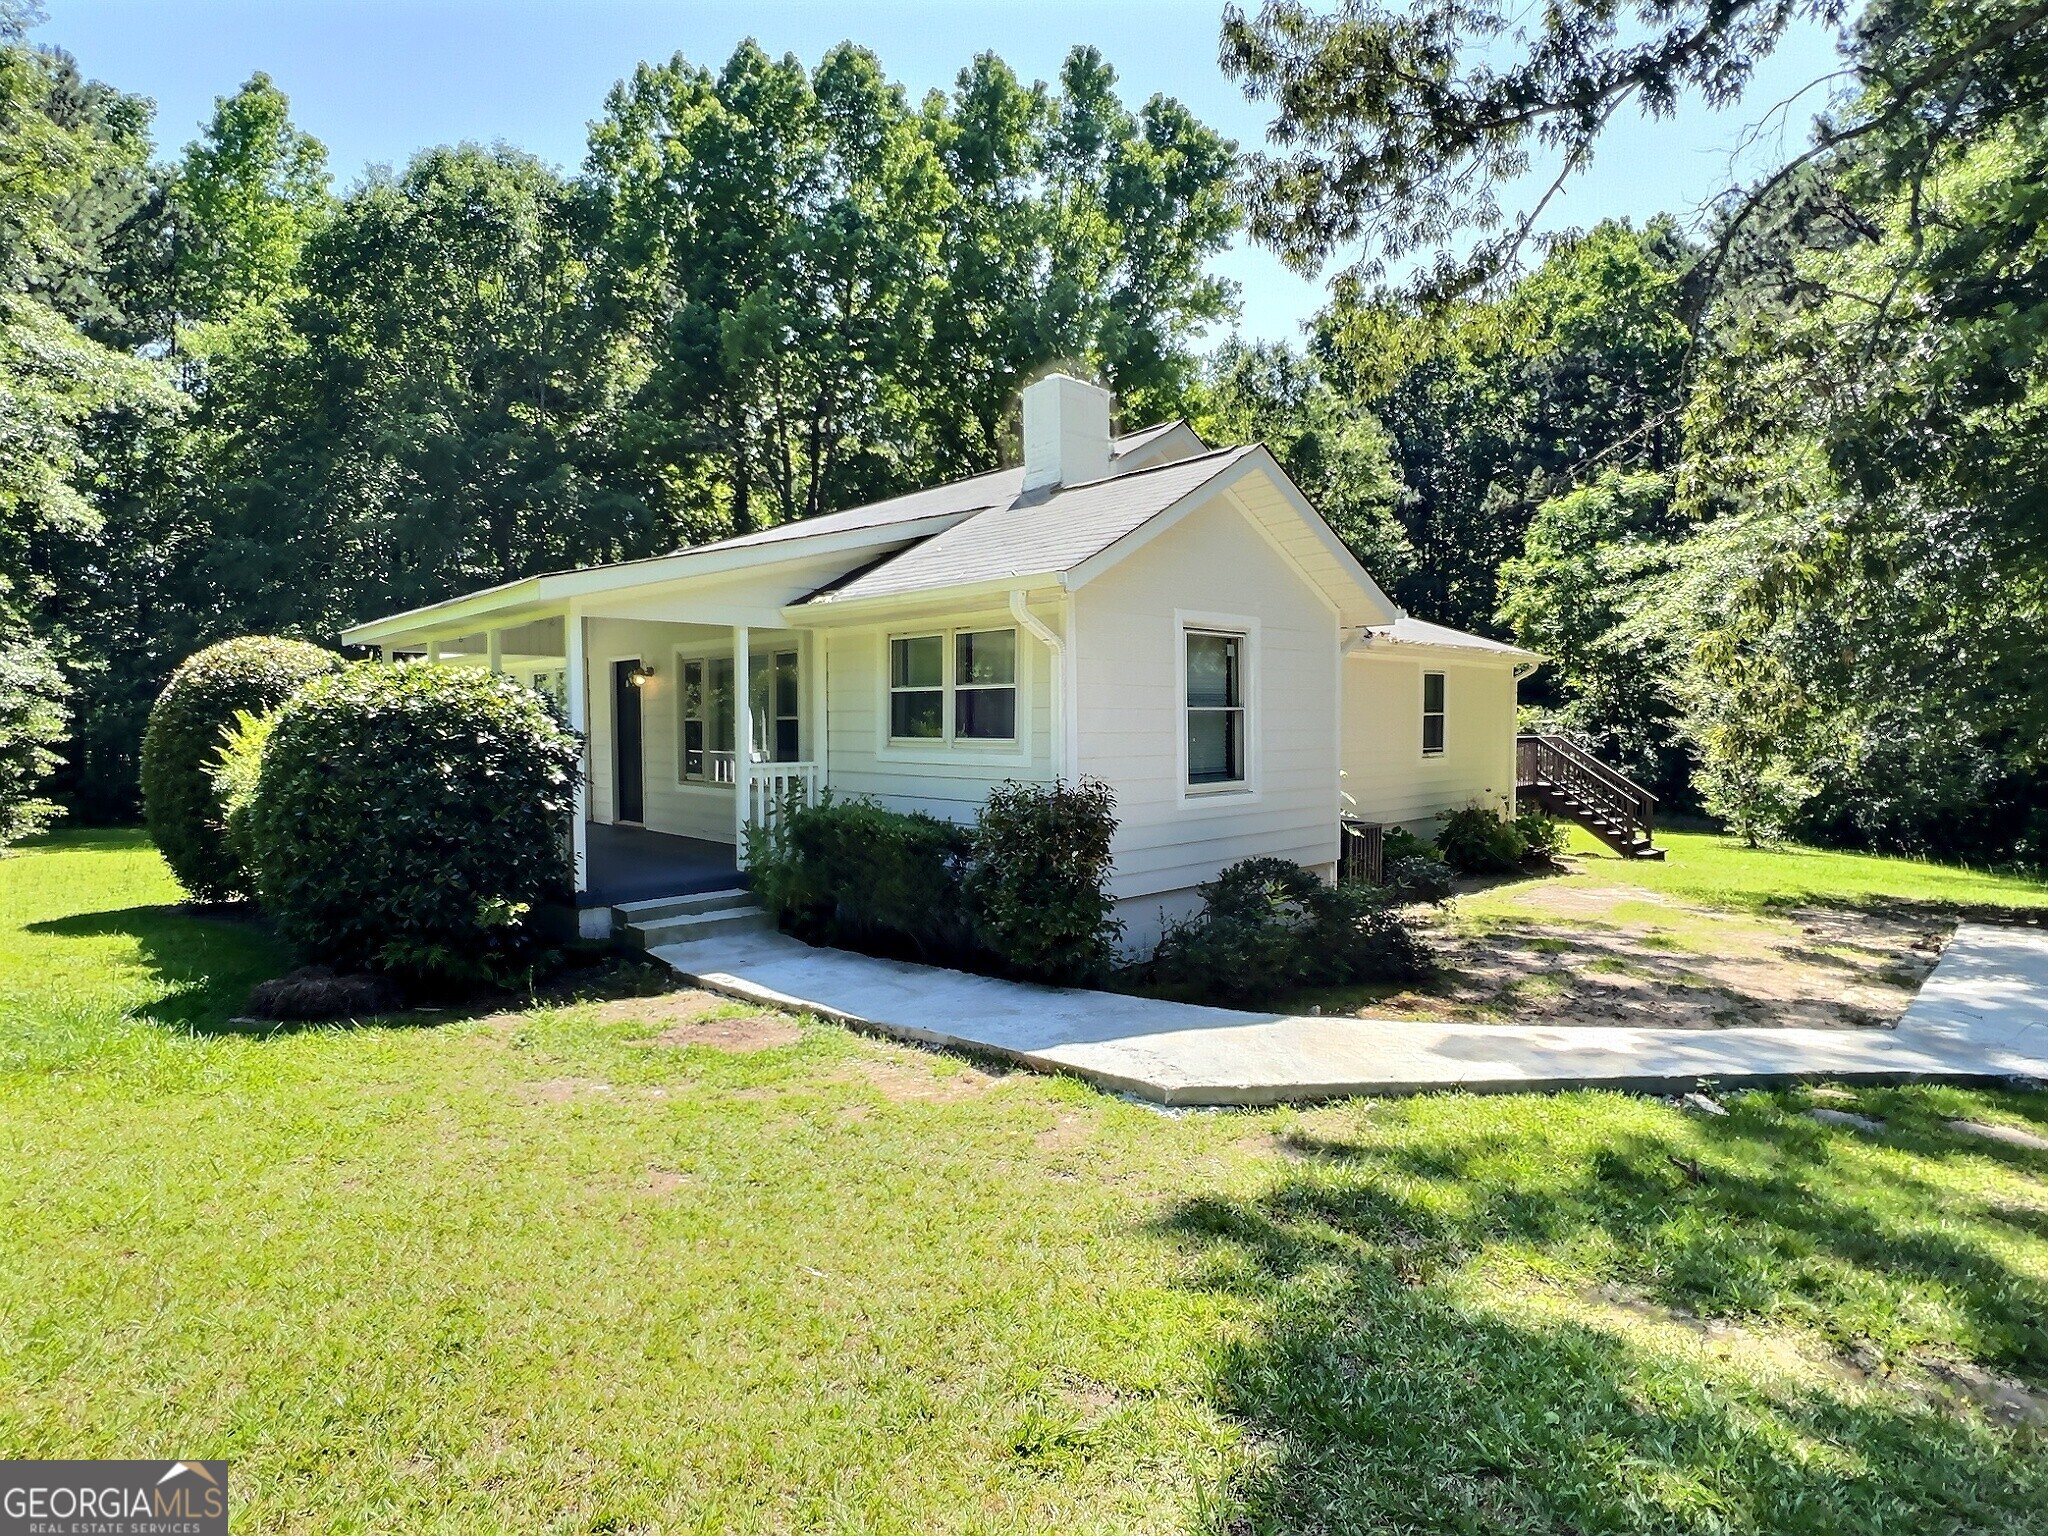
1053,642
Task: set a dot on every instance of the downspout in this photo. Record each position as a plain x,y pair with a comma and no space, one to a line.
1050,639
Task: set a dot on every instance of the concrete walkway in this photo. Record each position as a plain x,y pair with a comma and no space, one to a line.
1982,1015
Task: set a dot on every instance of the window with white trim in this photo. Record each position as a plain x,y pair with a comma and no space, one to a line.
1215,708
1432,714
917,688
705,712
985,685
954,686
772,701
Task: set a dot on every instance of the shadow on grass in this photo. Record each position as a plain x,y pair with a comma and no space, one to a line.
206,959
1383,1394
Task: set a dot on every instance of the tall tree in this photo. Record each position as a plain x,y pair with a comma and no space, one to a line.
1495,405
61,149
242,203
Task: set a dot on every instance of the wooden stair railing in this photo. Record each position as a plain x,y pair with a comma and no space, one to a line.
1564,778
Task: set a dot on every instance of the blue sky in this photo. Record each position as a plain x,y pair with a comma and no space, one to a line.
379,79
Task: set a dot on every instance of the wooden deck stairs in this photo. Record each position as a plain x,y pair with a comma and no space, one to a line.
1562,776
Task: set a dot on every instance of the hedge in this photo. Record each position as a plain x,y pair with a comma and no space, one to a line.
187,725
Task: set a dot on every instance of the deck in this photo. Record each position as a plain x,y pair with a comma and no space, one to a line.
634,864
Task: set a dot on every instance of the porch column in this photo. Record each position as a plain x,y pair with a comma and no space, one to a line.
494,649
578,686
433,653
742,742
814,692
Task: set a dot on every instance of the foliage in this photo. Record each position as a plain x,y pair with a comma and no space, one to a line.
1261,392
1543,835
1269,927
234,774
32,716
1415,877
851,874
1496,405
55,377
1477,840
240,208
1591,562
1400,843
1039,887
188,726
410,821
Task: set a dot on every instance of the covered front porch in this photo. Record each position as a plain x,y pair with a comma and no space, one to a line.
697,721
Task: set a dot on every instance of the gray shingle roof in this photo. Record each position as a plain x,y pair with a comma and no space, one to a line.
1410,631
1038,534
998,488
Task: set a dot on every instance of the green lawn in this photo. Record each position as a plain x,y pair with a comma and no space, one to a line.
1719,871
537,1272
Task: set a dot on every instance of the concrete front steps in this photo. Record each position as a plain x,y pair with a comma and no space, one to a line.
680,919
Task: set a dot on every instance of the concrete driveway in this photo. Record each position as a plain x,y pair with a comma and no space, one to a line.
1981,1016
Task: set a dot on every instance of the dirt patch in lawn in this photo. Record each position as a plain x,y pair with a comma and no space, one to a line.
752,1032
1567,953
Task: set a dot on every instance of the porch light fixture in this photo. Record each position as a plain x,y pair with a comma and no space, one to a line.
639,675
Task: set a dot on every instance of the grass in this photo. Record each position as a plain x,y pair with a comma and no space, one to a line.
1717,871
538,1272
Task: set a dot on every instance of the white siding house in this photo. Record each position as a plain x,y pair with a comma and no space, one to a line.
1172,619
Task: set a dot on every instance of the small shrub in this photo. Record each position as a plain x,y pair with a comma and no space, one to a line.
851,874
182,743
32,720
1040,883
1399,843
1268,927
1542,834
315,992
409,820
1475,840
1420,879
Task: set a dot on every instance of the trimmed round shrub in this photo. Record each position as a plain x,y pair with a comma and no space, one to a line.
411,820
182,743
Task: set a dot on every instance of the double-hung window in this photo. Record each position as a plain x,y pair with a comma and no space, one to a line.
917,688
706,708
958,686
1432,714
985,685
1215,709
772,701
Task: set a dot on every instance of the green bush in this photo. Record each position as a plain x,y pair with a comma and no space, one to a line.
409,820
1418,879
1542,834
183,740
1039,886
1476,840
1269,927
850,874
1399,843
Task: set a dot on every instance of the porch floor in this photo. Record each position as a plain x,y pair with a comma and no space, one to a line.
634,864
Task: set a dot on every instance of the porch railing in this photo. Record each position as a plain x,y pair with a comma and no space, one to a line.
775,789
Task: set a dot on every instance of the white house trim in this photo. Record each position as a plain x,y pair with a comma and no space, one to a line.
1212,798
